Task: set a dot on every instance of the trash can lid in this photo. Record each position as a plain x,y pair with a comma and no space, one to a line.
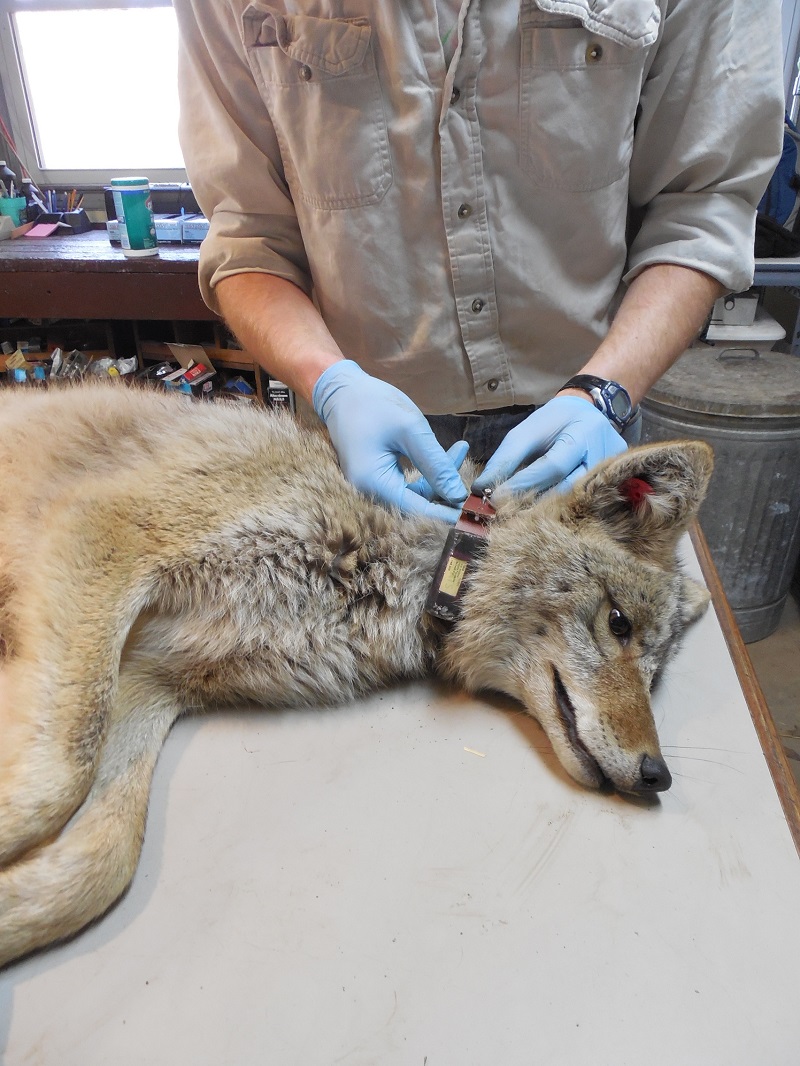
732,380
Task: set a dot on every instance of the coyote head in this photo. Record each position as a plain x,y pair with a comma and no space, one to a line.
579,603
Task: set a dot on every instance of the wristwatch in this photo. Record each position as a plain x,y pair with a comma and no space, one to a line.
607,396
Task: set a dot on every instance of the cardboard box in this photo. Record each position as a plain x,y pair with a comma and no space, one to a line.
195,227
188,356
169,228
280,395
737,309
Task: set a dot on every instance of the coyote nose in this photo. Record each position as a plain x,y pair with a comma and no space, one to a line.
654,775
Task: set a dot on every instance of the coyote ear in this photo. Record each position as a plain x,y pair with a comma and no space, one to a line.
646,497
696,599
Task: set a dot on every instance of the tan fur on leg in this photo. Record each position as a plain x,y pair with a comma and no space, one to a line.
60,886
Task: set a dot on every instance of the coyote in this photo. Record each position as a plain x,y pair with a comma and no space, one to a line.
159,555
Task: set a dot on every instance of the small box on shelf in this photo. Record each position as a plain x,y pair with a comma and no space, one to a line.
735,309
280,396
227,362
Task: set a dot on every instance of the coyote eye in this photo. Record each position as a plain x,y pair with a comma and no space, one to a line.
619,625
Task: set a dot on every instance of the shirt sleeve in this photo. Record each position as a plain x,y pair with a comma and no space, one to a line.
232,156
708,137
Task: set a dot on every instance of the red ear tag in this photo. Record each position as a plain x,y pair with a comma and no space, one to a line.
634,490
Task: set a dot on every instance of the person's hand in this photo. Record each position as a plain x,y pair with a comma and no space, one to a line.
456,453
372,424
564,438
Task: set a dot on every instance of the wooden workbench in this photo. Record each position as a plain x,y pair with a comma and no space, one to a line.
412,880
85,276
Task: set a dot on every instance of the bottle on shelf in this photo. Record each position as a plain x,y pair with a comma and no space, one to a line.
8,177
34,203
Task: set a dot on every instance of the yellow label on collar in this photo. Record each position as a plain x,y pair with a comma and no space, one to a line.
453,576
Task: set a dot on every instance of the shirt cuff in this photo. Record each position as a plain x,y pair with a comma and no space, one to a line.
238,246
708,231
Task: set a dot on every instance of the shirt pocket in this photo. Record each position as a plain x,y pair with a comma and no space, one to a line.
319,81
579,91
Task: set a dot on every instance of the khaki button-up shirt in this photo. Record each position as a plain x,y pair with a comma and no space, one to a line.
466,229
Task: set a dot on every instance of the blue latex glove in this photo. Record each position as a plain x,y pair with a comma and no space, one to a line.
457,453
372,424
564,438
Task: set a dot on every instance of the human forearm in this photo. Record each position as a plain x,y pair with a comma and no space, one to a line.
662,312
372,425
280,327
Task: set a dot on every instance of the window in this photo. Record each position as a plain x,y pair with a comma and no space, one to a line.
91,88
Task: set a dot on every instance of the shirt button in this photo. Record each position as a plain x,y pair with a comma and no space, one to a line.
464,211
477,307
454,96
492,385
306,73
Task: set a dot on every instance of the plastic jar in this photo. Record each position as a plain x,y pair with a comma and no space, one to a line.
134,207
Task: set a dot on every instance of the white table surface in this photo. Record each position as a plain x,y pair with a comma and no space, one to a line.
352,886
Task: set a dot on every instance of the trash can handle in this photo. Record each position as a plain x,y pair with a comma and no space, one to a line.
738,353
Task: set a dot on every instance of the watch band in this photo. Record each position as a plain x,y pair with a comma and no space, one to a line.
609,397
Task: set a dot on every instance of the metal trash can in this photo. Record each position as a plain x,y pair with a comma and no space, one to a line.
745,403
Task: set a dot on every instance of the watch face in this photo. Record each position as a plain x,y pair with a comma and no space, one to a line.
620,404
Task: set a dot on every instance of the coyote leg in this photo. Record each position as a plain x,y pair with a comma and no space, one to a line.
56,693
62,885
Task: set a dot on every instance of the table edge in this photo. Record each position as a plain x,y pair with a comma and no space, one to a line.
777,761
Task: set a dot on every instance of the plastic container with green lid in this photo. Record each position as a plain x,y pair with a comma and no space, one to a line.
134,208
